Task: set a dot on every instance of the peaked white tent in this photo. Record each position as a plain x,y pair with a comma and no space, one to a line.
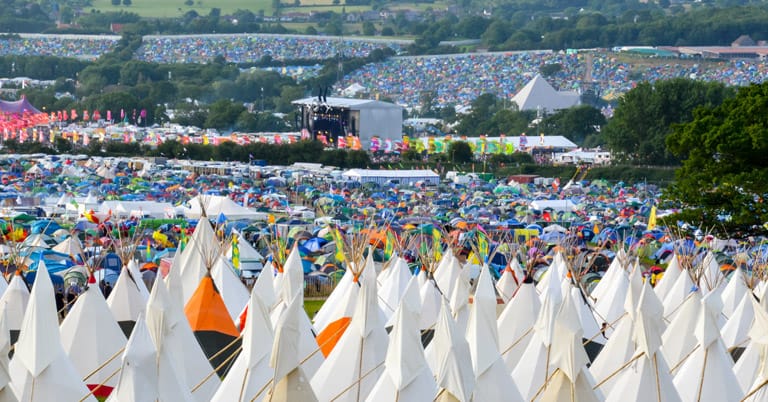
646,377
451,361
515,324
493,382
219,205
179,354
40,370
534,367
295,357
91,337
14,302
570,380
354,365
406,375
126,301
707,374
248,378
146,375
6,393
539,94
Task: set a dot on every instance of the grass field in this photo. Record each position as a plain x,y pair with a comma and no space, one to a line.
176,8
312,306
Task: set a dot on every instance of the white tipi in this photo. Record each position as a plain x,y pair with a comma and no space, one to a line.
40,371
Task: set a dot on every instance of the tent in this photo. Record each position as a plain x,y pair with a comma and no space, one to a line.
219,205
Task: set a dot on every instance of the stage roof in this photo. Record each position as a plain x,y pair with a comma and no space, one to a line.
353,104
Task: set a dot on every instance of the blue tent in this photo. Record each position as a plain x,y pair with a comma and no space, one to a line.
44,226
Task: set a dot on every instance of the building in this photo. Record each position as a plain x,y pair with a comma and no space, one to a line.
381,177
341,117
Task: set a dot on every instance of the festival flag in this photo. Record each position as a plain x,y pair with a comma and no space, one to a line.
389,246
652,219
183,241
235,252
73,114
86,116
483,244
149,251
339,241
437,246
109,115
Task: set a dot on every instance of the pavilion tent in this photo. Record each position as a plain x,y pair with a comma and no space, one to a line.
220,205
382,176
70,246
139,209
18,107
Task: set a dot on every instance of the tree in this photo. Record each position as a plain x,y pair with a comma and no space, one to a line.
550,69
460,152
645,115
127,3
223,114
723,182
369,29
576,123
115,2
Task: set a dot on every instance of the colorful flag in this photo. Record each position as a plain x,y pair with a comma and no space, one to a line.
339,241
483,244
389,246
235,252
149,251
437,246
652,219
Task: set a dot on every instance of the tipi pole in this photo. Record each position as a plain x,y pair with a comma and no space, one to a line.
623,366
97,369
208,377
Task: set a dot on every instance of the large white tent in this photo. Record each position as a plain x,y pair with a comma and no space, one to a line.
400,176
216,205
